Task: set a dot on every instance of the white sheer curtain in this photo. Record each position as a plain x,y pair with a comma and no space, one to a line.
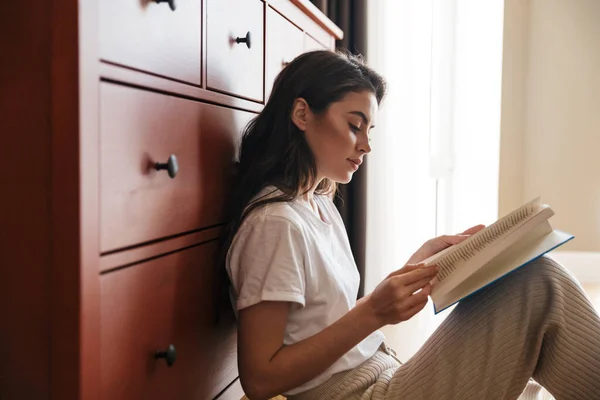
434,165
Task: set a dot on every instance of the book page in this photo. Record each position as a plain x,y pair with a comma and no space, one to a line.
452,258
463,269
540,241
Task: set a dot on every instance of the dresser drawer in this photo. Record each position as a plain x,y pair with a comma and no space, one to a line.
311,44
284,43
138,129
232,67
151,37
150,306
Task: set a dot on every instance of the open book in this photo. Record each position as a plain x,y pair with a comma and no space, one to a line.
509,243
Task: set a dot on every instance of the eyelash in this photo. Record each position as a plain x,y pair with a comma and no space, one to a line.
354,128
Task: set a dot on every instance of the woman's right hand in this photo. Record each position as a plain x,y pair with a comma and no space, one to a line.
402,294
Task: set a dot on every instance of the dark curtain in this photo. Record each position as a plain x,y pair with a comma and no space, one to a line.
351,17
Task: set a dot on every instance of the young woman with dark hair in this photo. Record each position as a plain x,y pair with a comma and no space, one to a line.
294,281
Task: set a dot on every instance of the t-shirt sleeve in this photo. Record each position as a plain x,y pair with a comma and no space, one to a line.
266,262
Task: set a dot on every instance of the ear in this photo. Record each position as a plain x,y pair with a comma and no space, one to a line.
300,111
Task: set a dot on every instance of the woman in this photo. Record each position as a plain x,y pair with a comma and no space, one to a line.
302,332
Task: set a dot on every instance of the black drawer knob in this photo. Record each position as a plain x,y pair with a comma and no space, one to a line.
247,40
171,166
171,3
170,355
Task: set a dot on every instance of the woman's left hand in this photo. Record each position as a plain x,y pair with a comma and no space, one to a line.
437,244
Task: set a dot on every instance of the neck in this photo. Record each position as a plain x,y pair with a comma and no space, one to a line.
309,195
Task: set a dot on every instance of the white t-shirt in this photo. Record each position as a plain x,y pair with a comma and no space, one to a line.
285,252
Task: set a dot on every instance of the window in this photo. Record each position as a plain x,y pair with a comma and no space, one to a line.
434,165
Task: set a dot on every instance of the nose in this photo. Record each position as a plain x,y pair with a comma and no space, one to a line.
363,144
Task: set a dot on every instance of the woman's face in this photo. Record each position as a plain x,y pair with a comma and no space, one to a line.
339,138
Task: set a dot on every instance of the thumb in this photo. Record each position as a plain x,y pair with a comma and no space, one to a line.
455,239
474,229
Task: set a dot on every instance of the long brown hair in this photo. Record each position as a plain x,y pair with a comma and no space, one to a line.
274,152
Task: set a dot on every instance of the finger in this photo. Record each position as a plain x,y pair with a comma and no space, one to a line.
406,268
454,239
412,288
411,312
418,274
418,297
473,230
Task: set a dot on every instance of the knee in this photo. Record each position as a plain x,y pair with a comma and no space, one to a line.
538,283
548,272
547,267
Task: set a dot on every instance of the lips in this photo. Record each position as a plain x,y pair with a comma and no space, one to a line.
356,161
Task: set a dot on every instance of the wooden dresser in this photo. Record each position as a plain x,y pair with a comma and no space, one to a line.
120,123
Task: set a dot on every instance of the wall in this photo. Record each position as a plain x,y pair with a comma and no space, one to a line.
512,120
551,113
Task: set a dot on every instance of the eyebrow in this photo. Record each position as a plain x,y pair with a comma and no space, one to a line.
363,116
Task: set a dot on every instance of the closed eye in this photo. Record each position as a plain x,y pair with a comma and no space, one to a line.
354,128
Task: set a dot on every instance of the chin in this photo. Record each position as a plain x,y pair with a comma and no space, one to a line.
339,175
343,178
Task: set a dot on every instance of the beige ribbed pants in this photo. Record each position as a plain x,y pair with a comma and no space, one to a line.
534,323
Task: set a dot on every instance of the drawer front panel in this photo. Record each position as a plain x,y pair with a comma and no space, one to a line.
166,302
232,67
150,37
139,129
284,43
